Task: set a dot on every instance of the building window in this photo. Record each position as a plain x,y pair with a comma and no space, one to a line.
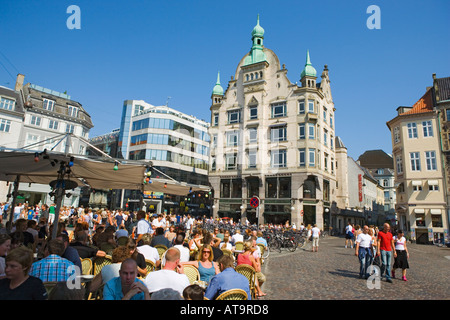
311,106
232,138
7,104
447,112
213,163
302,158
412,130
396,135
415,161
324,114
278,158
137,110
436,221
430,158
399,163
53,124
433,188
279,110
301,107
420,220
325,137
301,131
234,116
253,112
278,134
230,161
251,159
252,135
70,128
417,188
5,125
331,121
48,104
427,128
73,111
312,157
36,121
311,131
331,143
215,119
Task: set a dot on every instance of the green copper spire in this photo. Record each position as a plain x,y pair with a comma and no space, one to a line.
218,90
309,69
256,54
258,31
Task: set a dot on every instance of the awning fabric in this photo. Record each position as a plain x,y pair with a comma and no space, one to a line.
416,183
435,211
433,182
419,210
96,173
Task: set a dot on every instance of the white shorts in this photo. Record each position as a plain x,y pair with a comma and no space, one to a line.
315,242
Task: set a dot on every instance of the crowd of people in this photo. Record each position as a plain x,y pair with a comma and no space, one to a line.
30,257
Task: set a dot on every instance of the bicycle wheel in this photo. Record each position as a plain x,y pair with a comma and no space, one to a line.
290,245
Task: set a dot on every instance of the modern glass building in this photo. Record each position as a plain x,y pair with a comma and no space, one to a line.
177,144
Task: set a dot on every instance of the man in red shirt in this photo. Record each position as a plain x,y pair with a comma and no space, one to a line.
386,248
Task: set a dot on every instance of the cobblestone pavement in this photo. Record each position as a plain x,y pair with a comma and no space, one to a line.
333,274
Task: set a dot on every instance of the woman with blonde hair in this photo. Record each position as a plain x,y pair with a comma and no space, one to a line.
247,258
205,264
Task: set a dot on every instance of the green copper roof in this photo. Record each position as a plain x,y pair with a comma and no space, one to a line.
309,69
218,90
258,31
256,54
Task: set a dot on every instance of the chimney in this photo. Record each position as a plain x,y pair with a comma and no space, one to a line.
19,82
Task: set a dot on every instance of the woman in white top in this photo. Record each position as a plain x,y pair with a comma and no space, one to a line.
401,255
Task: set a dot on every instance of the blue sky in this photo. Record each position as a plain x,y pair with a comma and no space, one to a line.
152,50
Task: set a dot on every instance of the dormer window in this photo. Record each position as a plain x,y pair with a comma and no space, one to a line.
73,111
48,104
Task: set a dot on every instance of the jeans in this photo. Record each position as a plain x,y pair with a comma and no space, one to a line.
386,257
365,260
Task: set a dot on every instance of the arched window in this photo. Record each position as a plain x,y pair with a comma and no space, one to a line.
246,77
251,76
256,75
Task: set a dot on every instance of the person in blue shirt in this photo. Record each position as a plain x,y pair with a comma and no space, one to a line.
127,286
227,279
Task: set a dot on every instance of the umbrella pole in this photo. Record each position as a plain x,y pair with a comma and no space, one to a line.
59,195
13,203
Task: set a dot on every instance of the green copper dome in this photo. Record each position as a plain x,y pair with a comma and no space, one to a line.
309,69
218,90
258,31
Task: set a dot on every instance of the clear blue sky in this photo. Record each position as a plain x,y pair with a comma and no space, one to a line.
152,50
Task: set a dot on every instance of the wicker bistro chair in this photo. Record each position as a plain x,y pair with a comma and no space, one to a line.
150,266
250,273
86,265
233,294
161,249
262,249
100,262
98,294
239,246
192,273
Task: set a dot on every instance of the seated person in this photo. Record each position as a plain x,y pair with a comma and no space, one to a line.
159,238
194,292
148,251
84,250
227,279
126,286
170,276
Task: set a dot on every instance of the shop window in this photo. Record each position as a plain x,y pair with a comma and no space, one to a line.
436,220
420,220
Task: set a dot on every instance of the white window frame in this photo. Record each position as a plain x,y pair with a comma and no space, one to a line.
253,116
53,124
234,114
252,135
412,130
399,162
311,157
232,138
7,103
302,154
35,121
278,134
311,106
427,128
430,160
229,165
48,104
5,125
275,107
301,131
70,128
72,111
311,131
278,158
415,161
252,159
301,107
